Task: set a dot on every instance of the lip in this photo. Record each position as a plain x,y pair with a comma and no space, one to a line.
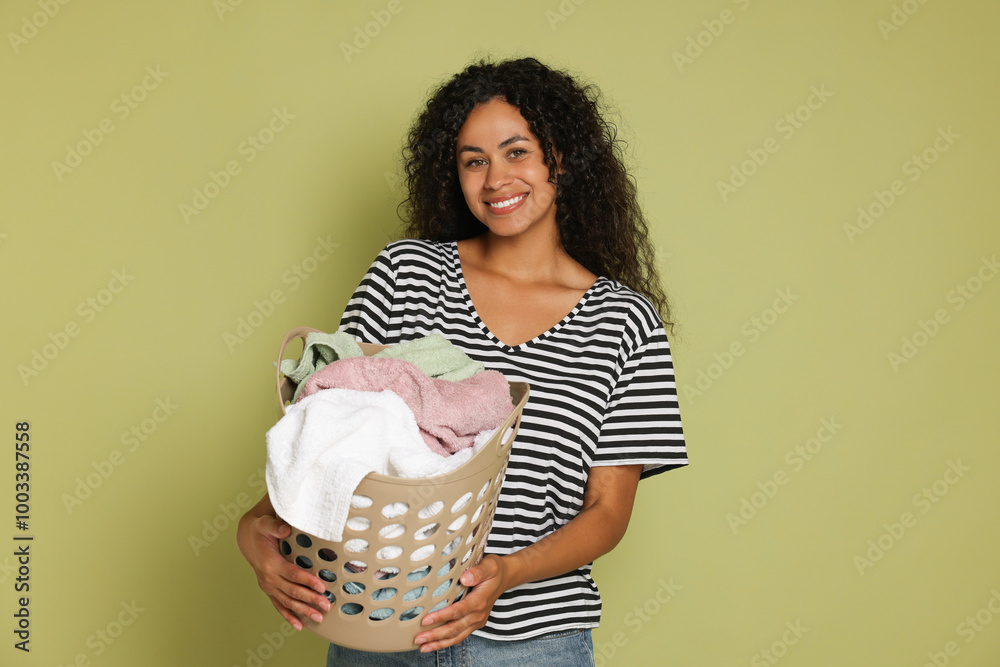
508,209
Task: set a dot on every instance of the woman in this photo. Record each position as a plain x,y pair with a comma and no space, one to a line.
533,258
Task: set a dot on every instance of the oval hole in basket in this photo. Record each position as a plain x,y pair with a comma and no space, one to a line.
359,523
440,605
479,510
381,614
482,491
390,552
286,548
351,609
361,502
386,593
457,524
426,531
356,545
303,540
411,595
353,588
467,556
330,596
410,614
384,573
430,510
392,531
447,567
442,588
392,510
461,502
303,562
451,546
355,566
423,552
419,573
327,554
327,575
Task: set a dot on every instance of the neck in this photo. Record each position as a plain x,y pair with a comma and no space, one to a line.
531,256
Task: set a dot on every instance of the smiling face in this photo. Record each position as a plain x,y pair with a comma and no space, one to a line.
502,171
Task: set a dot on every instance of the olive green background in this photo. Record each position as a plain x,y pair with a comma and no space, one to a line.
871,551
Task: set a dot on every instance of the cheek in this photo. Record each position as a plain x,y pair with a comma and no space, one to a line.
467,188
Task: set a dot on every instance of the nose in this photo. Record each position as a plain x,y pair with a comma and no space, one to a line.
498,175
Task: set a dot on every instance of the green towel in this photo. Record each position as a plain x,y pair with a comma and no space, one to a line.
320,349
432,354
436,357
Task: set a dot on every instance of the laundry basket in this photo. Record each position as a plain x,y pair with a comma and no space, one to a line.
406,542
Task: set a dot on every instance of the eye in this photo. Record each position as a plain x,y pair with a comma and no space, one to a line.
517,152
475,162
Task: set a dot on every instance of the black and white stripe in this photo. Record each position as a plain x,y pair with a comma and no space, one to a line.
602,393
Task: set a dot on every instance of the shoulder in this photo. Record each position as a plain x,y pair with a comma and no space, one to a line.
637,312
417,250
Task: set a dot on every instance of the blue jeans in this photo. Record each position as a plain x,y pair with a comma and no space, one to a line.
570,648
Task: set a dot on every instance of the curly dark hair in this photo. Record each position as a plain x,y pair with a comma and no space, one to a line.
600,222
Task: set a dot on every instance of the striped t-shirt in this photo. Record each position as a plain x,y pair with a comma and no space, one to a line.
602,394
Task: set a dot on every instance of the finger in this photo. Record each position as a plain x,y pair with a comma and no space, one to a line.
302,586
447,635
459,620
487,568
273,526
291,597
299,576
470,577
292,619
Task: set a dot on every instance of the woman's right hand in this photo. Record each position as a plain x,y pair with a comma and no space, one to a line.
294,592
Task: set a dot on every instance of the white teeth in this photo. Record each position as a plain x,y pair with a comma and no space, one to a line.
506,202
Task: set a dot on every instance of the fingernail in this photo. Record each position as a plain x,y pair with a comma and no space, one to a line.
316,617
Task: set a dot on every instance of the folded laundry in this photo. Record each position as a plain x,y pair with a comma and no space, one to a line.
449,413
323,447
433,354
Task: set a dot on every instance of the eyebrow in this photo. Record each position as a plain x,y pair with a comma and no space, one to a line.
503,144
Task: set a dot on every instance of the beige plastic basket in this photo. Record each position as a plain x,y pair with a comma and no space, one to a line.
406,543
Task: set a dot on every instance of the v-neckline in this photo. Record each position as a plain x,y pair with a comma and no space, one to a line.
486,330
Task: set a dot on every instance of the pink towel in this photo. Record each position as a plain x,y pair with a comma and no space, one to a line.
449,413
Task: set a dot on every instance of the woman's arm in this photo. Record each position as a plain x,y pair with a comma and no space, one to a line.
600,525
292,590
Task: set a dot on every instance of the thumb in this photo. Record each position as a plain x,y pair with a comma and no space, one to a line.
270,525
479,573
470,577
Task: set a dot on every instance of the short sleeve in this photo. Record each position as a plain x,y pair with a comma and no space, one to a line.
642,423
369,311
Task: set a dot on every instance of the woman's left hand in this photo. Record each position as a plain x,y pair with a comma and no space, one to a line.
486,581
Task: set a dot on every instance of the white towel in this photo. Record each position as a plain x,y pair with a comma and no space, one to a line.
323,447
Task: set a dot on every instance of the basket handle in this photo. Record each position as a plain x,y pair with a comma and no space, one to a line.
503,445
279,380
512,424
